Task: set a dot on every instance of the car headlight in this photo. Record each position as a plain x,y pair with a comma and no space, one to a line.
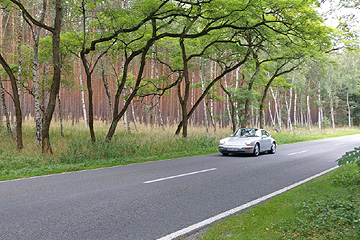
248,142
223,141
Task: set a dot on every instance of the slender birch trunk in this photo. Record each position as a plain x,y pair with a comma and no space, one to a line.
272,118
309,121
319,107
192,98
332,109
204,101
60,116
211,108
35,74
277,114
237,103
83,96
295,108
349,108
289,105
227,101
134,117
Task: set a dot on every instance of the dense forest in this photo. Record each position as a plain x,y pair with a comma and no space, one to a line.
214,63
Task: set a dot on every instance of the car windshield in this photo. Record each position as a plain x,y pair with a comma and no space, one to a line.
246,132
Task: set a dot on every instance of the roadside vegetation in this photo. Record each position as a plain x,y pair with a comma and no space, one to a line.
75,151
325,208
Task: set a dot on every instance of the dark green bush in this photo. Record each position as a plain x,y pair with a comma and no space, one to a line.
351,157
325,219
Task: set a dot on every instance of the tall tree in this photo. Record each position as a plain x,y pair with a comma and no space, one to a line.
55,86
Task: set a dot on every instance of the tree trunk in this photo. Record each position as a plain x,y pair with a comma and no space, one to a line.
82,96
60,117
117,115
134,116
184,100
319,106
90,95
289,104
107,91
19,51
236,103
349,108
272,118
16,101
277,113
276,74
332,109
35,73
202,90
55,86
308,113
211,108
230,106
6,113
295,108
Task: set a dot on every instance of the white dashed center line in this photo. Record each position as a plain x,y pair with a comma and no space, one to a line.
181,175
298,152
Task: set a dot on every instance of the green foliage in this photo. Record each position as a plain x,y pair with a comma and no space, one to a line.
349,179
324,219
350,157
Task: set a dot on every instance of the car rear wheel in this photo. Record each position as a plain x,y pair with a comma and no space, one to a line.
273,148
256,150
225,154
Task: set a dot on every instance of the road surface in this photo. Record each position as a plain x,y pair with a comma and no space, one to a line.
153,200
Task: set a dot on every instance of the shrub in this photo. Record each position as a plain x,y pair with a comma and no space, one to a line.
324,219
350,157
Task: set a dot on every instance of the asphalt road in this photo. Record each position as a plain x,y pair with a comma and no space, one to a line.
152,200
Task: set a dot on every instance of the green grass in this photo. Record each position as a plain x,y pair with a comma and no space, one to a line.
74,151
325,208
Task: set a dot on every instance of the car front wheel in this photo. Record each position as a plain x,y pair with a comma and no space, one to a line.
256,150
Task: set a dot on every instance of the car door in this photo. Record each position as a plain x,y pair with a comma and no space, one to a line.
265,140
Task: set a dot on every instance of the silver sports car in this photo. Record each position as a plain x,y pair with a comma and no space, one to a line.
248,140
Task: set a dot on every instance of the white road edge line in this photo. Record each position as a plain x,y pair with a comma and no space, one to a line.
181,175
339,144
211,220
298,152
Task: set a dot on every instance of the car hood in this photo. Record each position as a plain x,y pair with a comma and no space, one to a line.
239,140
